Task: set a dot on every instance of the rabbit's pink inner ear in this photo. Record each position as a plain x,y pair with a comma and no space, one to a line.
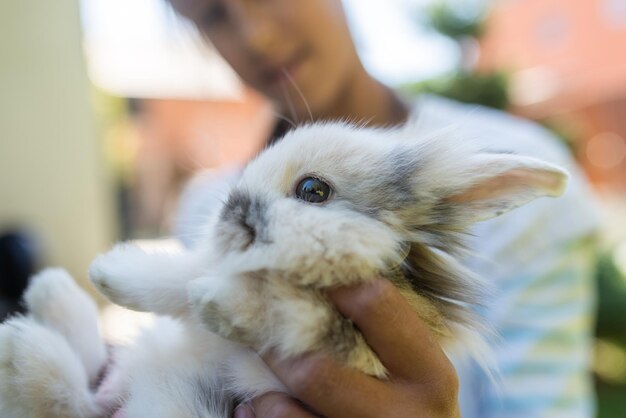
493,195
518,180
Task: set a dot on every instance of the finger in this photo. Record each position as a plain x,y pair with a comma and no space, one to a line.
276,405
401,339
331,389
244,411
119,414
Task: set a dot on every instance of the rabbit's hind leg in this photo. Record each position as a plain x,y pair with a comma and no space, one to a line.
40,374
55,300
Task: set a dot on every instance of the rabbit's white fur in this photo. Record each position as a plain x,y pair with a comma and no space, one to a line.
48,359
400,205
174,369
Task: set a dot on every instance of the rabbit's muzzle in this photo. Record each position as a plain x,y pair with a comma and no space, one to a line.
243,222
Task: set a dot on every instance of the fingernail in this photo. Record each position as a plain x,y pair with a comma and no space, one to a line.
244,411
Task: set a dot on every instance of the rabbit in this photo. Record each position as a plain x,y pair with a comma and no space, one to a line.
331,204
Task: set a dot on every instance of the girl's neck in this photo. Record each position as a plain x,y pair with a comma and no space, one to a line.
365,100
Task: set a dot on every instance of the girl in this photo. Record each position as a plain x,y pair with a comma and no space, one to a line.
300,55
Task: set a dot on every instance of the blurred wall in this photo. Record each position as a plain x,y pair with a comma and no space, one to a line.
567,65
564,55
51,177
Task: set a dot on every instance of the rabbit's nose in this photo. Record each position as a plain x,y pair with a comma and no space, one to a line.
249,231
243,221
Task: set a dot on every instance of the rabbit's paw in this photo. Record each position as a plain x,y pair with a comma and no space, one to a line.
53,293
40,375
147,277
224,311
220,320
114,274
56,301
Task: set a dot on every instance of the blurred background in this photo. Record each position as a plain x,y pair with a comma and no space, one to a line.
108,108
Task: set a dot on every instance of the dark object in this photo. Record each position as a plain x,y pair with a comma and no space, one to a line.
611,321
18,262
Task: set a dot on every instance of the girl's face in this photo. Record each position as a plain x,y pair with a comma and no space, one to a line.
276,45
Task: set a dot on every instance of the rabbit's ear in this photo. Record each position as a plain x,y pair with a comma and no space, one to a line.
494,184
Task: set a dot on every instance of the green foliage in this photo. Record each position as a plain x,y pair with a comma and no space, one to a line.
446,19
610,326
459,19
611,301
611,401
487,89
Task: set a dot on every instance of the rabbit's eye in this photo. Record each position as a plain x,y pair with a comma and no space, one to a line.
313,190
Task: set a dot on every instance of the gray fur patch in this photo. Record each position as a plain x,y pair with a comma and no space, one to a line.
403,168
211,399
341,336
390,191
454,289
248,216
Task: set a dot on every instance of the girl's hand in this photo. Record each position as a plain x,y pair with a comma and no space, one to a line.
422,381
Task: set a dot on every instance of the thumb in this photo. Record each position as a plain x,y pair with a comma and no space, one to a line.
244,411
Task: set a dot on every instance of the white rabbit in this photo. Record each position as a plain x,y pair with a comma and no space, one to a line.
329,205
